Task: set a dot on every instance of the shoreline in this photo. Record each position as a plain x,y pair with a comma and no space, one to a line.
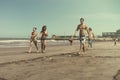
99,63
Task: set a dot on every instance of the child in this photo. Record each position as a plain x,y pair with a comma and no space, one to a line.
43,35
33,39
90,37
71,41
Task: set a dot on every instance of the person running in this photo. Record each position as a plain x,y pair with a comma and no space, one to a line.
43,35
83,31
71,41
33,39
91,37
115,42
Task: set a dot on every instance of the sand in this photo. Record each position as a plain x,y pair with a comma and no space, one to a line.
102,62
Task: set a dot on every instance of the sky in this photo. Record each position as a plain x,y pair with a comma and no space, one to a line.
18,17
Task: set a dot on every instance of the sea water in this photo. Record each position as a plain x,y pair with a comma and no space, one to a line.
9,43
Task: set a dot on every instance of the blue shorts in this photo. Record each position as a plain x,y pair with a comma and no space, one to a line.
90,41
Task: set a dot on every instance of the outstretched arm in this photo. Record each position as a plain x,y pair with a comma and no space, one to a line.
75,33
76,30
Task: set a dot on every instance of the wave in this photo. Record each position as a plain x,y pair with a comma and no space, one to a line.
12,41
25,43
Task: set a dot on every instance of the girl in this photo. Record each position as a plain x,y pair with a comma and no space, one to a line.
33,39
43,35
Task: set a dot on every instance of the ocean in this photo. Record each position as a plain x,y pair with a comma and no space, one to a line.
24,42
13,42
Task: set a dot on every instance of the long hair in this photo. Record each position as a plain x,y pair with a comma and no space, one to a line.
44,28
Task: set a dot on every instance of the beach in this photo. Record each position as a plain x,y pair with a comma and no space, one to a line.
102,62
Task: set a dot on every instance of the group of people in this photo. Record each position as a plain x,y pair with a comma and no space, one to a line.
84,31
42,36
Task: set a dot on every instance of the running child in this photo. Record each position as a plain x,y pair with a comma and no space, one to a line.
91,37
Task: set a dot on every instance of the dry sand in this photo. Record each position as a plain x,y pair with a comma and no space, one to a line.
102,62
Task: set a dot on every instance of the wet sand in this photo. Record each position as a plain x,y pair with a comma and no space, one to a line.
102,62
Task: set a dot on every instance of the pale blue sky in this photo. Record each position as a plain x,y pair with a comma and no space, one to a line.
17,17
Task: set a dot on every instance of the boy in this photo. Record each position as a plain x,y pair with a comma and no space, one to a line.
90,37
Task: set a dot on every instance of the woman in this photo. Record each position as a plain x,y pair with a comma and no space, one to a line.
43,35
33,39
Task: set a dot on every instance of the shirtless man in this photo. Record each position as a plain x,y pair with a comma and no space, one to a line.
33,39
83,31
91,37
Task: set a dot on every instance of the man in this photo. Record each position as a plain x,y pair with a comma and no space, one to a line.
83,31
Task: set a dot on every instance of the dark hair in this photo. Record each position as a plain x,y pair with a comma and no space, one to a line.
44,28
35,28
90,29
81,19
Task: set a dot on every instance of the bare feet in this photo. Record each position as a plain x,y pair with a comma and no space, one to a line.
37,51
43,51
29,51
81,53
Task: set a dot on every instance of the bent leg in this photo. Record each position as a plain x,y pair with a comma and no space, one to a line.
30,48
35,43
42,45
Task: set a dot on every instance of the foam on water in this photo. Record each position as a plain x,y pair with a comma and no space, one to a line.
13,43
25,43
